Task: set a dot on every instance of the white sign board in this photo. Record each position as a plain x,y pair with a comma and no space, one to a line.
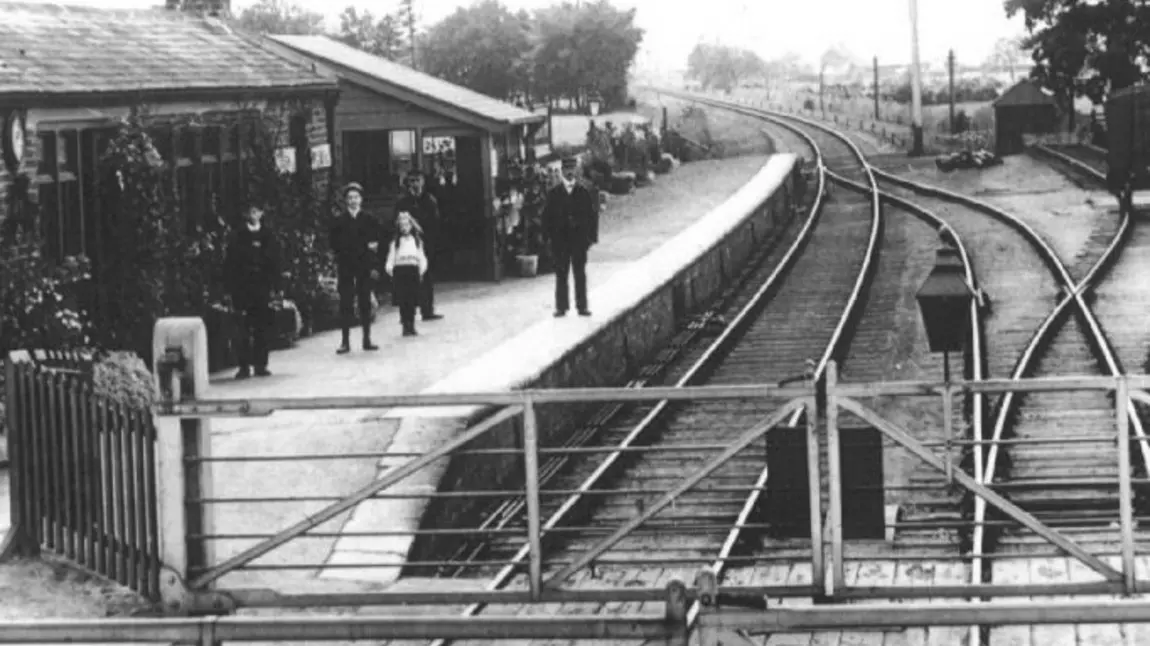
432,145
285,160
321,156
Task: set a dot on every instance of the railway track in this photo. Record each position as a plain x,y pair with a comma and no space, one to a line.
1054,454
793,318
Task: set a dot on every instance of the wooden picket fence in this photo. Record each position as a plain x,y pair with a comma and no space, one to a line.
83,478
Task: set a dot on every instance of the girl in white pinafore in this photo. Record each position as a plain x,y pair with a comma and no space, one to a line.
406,264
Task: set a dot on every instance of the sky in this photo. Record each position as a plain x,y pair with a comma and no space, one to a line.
769,27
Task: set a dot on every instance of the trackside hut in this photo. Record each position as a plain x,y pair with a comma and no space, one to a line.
1024,109
392,118
69,75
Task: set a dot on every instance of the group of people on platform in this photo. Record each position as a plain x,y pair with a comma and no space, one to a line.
570,225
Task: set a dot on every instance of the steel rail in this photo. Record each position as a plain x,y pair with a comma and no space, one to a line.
1075,293
834,348
714,353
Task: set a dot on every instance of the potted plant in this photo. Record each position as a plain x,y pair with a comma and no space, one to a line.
526,249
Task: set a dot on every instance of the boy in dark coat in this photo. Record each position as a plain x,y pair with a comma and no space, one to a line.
355,238
571,226
251,269
424,208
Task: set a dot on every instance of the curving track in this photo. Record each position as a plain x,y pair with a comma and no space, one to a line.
790,321
806,310
1054,454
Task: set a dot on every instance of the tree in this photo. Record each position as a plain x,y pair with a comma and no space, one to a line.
1085,49
381,37
280,17
484,47
405,20
584,49
722,67
832,57
1005,54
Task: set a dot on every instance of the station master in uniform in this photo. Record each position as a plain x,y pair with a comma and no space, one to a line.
571,225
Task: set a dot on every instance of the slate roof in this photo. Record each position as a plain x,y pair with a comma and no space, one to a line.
52,49
400,77
1024,92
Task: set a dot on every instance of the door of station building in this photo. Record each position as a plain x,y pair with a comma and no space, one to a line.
455,178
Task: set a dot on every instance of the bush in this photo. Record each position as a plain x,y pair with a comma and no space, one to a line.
41,301
168,270
122,377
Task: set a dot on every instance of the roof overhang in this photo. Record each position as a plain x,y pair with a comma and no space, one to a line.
408,95
143,96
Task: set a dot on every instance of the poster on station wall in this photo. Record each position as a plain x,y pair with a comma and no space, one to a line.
494,162
321,156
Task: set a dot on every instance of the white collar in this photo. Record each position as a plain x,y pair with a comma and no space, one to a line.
570,186
353,214
254,228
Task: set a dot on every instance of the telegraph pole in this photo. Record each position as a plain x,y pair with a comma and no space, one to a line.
876,114
950,68
915,84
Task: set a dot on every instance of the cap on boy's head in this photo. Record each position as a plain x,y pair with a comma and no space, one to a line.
353,186
414,174
570,162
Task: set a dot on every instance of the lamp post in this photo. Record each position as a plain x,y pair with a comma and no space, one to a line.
944,302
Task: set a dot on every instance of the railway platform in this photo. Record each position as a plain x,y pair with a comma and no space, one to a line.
449,355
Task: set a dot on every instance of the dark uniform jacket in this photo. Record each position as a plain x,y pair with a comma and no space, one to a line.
349,239
571,219
251,267
425,210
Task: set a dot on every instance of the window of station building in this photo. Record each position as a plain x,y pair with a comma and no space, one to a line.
402,156
189,187
297,136
58,178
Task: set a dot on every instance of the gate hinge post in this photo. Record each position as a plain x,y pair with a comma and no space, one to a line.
183,475
676,613
181,601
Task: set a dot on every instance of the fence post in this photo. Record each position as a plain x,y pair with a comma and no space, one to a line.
531,487
836,581
22,539
1125,489
180,369
676,613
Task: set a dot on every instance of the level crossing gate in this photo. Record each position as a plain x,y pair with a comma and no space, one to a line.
167,463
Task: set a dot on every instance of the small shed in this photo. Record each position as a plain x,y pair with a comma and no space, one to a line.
1023,109
392,118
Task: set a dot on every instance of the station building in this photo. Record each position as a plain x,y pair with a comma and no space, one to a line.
70,75
392,118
